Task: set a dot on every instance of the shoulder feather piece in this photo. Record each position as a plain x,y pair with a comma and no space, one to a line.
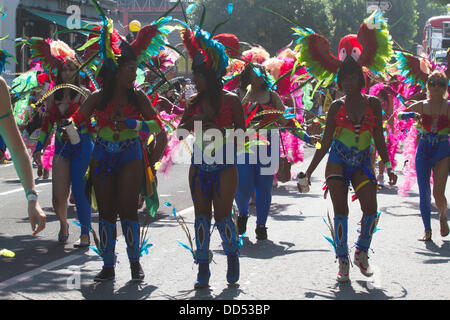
150,40
202,48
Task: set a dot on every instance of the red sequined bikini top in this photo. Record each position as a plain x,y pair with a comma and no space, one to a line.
103,117
54,114
427,122
343,121
223,119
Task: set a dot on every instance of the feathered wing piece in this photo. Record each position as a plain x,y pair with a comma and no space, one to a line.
374,37
231,43
315,55
41,51
150,40
232,78
202,48
414,69
108,40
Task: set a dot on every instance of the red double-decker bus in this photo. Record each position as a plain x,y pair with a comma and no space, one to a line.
436,36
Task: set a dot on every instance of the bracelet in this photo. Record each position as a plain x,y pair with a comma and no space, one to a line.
31,195
388,165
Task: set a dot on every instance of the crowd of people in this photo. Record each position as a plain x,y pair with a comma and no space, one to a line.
104,124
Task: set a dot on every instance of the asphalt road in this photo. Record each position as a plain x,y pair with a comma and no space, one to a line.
33,252
295,263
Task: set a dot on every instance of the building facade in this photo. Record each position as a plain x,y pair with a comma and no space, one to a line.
42,18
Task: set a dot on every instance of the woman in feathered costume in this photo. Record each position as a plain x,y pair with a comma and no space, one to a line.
28,88
11,136
413,76
433,149
117,168
352,123
287,86
71,160
386,95
256,176
212,184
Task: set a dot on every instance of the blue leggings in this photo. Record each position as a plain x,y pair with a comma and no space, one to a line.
79,156
250,179
430,150
2,144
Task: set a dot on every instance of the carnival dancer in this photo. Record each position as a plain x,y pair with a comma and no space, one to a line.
2,150
212,183
261,97
352,123
386,95
433,150
71,158
288,86
10,133
121,113
28,88
411,87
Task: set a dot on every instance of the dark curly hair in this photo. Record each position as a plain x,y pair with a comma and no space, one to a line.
108,76
214,87
59,95
245,76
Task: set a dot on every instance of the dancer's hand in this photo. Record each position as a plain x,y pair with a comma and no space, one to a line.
38,157
64,135
119,123
37,216
392,178
308,176
315,138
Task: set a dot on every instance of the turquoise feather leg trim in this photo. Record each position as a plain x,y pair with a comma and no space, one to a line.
331,228
145,246
187,248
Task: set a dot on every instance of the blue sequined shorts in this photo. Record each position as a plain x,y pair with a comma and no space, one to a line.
69,151
433,148
351,160
112,155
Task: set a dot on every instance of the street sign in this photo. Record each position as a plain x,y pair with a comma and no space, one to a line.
378,5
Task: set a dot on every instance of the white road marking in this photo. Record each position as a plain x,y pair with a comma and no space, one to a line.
52,265
28,275
188,210
21,189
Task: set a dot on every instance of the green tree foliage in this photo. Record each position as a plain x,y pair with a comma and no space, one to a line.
254,25
331,18
440,2
347,17
426,11
402,19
